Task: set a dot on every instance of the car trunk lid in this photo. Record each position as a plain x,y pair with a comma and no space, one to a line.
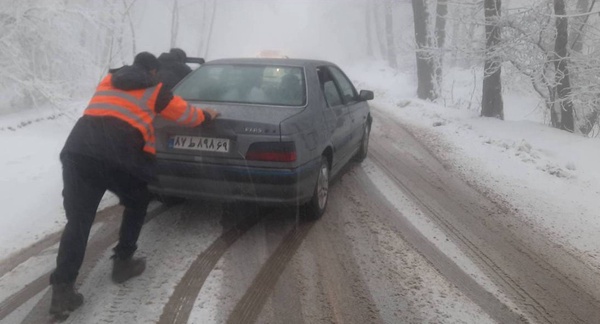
228,136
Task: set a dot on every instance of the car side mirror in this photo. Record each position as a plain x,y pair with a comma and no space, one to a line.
366,95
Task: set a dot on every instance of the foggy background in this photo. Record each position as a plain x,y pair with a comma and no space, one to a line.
320,29
53,52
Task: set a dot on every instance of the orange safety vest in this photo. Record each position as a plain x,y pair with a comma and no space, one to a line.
136,107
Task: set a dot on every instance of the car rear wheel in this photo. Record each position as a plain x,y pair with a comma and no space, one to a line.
316,206
361,155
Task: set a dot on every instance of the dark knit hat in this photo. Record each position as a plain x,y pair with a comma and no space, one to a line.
179,53
147,61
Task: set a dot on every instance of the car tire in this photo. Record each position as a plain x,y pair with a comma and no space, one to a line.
317,204
361,155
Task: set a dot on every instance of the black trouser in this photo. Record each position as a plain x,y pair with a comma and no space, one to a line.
85,182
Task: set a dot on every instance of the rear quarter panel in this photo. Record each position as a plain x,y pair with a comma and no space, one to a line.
308,128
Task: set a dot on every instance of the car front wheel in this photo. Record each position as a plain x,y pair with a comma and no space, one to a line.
316,206
361,155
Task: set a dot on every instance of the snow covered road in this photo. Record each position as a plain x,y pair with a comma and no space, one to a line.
404,240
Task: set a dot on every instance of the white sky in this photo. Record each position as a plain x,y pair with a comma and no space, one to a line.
330,29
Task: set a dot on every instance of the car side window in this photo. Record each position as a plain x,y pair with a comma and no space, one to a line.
348,92
331,94
330,91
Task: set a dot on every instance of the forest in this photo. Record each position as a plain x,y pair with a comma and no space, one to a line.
54,51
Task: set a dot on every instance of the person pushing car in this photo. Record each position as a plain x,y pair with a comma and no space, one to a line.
172,67
112,147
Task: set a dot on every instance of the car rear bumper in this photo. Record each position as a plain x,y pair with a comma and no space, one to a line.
236,183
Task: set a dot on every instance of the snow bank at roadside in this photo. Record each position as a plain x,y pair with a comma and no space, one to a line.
550,176
31,181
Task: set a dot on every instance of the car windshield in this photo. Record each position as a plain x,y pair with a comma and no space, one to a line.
247,84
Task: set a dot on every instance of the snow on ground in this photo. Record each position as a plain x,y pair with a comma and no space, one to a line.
549,176
552,176
31,181
433,232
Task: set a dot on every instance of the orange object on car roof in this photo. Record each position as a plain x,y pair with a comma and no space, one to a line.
271,54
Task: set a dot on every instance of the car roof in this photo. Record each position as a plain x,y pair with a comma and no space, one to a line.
270,61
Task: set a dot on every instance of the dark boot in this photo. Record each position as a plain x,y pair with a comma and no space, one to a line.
125,269
65,299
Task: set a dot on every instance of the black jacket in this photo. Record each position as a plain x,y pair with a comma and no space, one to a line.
171,70
115,141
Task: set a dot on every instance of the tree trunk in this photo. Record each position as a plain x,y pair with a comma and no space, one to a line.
210,28
127,13
425,61
440,39
578,31
458,28
174,24
110,38
379,29
389,33
369,28
563,86
201,31
491,101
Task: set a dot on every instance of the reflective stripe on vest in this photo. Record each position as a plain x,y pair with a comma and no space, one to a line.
189,110
145,127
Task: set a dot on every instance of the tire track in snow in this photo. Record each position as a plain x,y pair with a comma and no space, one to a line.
106,216
106,236
181,302
8,264
474,222
447,267
249,307
170,243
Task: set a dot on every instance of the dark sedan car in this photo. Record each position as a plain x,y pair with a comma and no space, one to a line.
286,127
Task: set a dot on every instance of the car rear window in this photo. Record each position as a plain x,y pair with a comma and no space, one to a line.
248,84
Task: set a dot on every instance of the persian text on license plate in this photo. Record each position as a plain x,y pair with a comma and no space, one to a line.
199,143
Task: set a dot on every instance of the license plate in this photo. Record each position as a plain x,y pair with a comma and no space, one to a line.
198,143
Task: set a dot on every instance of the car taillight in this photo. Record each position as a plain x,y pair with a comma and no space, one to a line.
272,151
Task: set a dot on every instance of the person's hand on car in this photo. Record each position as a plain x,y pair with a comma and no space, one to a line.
210,114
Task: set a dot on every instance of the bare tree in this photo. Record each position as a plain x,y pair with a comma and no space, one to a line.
369,27
440,40
578,32
34,34
389,33
210,28
582,70
174,23
202,30
532,43
563,82
588,110
425,62
529,36
127,15
491,100
379,28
